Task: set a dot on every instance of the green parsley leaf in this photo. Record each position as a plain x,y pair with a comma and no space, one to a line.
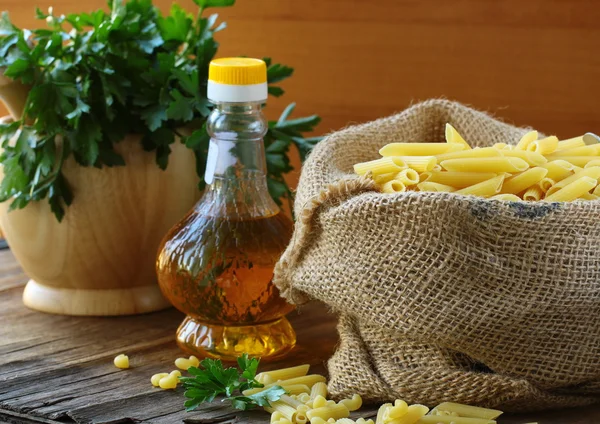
214,3
211,379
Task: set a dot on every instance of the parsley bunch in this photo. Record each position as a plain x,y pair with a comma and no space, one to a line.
96,77
210,380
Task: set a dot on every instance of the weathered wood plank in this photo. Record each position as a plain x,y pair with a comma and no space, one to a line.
59,369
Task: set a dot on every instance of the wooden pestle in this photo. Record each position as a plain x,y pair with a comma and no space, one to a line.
14,95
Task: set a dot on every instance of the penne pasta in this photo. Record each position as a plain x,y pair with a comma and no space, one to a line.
545,184
453,137
532,158
494,164
326,412
507,197
593,172
592,150
593,163
457,179
484,189
283,374
533,194
500,146
526,140
484,152
573,190
469,411
437,167
419,163
576,160
319,401
283,408
570,143
544,146
319,389
589,196
596,191
384,178
381,166
558,169
276,416
393,186
435,187
522,181
408,177
419,149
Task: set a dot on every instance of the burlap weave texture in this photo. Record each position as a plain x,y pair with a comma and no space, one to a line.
444,297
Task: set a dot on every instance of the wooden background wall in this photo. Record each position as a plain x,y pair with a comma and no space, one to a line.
533,62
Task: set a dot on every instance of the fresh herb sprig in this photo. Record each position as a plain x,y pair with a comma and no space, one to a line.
96,77
211,379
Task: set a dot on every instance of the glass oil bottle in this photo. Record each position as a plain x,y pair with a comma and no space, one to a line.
216,265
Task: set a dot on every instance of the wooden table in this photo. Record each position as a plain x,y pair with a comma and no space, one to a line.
58,369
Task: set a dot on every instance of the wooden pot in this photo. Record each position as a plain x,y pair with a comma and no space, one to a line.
100,259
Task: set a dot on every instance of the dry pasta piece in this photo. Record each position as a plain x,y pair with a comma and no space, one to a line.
393,186
420,163
591,150
570,143
469,411
441,419
589,196
520,182
457,179
352,404
484,189
592,163
334,411
507,197
284,373
499,164
437,167
412,415
345,421
319,389
578,160
544,146
157,377
533,194
317,420
596,191
276,416
532,158
452,136
382,179
526,140
419,149
500,146
319,402
593,171
381,166
381,412
121,361
435,187
287,411
546,183
558,169
408,177
574,190
399,409
478,152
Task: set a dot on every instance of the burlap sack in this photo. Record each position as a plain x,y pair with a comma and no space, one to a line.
444,297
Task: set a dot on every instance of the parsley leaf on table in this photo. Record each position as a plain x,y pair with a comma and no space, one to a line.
96,77
211,379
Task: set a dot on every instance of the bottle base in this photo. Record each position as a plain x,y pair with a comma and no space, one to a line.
266,340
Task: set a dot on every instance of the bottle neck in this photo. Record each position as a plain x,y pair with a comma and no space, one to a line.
236,167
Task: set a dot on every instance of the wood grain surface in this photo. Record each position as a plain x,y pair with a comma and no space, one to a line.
532,62
58,369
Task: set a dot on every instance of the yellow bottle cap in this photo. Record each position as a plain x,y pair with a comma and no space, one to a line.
237,80
237,71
